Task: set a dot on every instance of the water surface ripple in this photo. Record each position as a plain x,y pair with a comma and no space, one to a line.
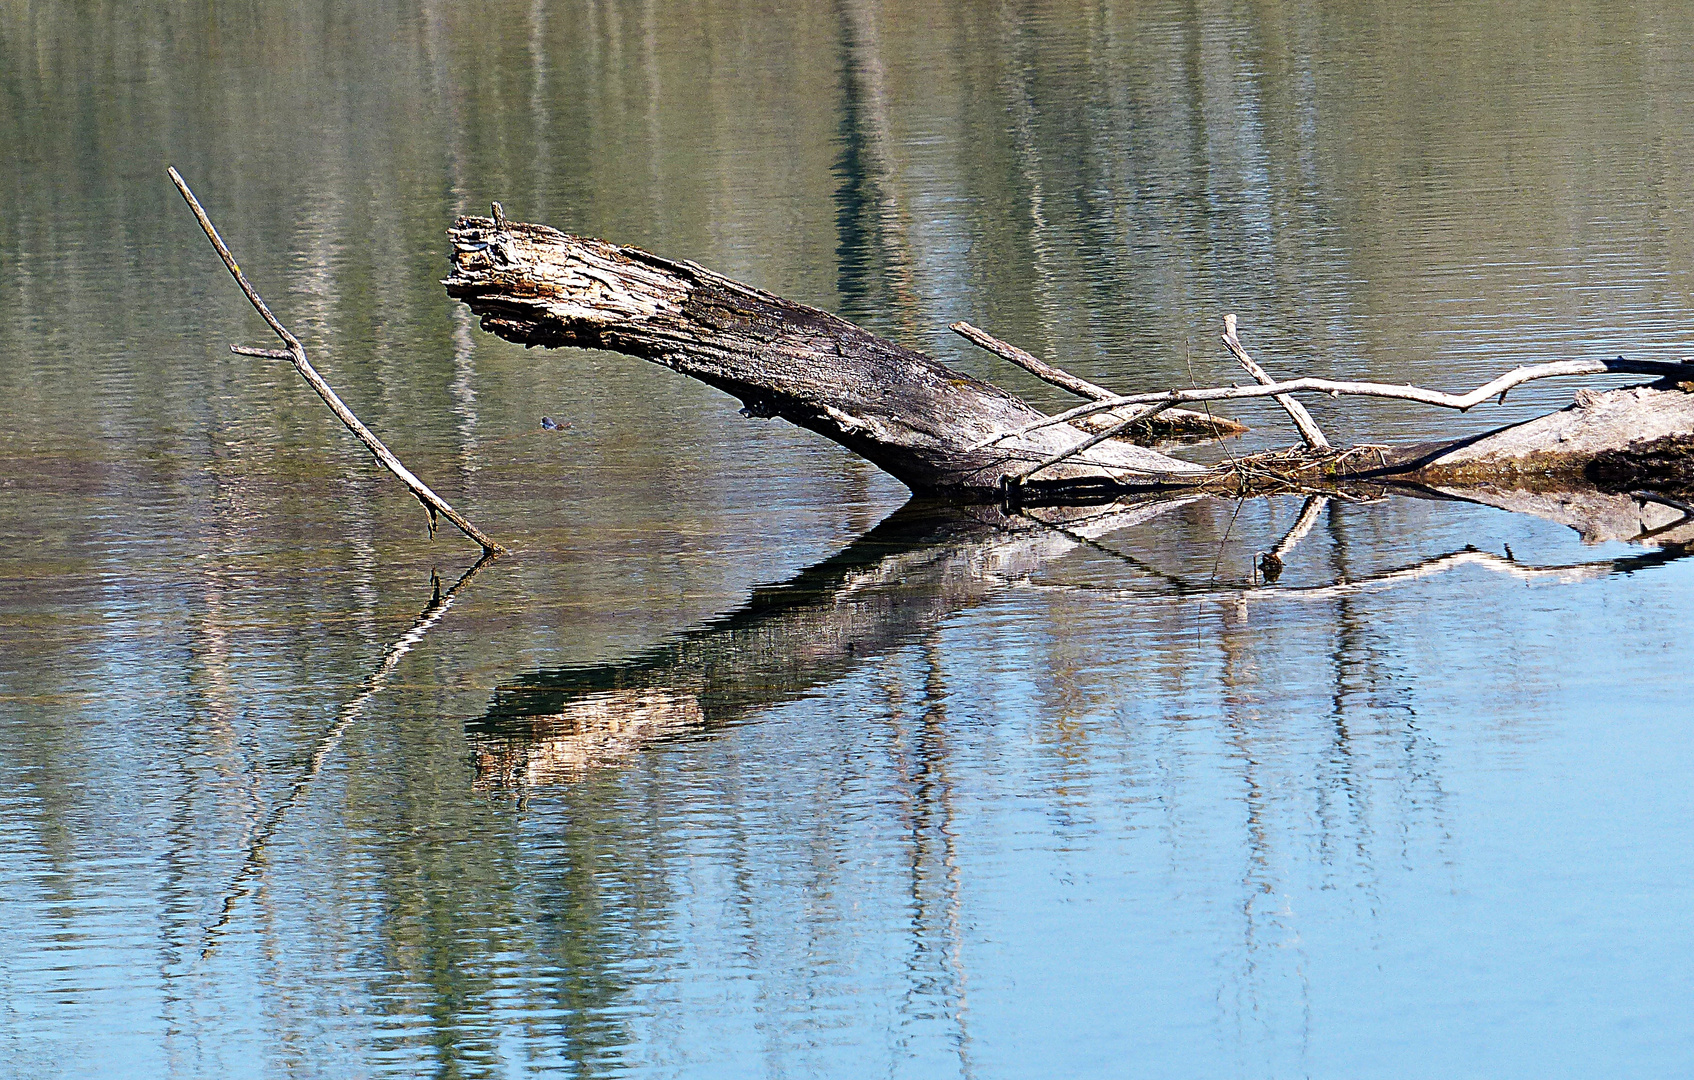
740,765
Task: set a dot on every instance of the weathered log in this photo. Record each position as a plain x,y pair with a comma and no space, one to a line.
1617,440
940,430
917,419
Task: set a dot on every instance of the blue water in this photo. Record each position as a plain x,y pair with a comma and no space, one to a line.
736,766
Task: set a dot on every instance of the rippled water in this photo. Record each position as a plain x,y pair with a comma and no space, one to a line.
738,765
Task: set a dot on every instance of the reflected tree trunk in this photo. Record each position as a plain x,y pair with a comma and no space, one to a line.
889,589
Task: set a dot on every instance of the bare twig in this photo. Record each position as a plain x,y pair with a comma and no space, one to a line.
1309,429
1184,420
432,502
1097,438
1461,402
1041,369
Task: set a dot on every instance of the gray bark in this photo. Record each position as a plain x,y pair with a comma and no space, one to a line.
914,417
929,425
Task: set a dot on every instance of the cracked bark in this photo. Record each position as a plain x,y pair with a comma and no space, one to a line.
913,417
941,431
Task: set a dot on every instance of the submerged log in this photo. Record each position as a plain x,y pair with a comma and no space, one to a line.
1617,440
941,431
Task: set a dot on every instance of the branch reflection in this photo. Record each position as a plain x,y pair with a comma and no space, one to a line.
253,861
893,585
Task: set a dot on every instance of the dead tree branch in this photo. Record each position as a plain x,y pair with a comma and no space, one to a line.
1094,440
1175,423
1031,363
901,410
1309,429
432,503
940,430
1461,402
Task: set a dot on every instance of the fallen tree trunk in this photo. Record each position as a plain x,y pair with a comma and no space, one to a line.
940,430
915,418
1617,440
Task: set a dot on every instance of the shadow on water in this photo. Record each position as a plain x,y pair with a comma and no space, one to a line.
923,563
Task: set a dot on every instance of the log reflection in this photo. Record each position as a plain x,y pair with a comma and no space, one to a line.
897,582
883,591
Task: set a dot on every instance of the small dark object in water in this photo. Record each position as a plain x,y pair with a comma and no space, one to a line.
549,424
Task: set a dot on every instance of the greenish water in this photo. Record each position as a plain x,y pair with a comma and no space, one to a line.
736,766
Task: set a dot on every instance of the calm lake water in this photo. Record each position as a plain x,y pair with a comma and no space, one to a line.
737,767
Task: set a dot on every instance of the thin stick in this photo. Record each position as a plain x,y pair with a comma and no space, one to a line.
1041,369
1188,362
1079,386
1097,438
1309,429
1461,402
432,502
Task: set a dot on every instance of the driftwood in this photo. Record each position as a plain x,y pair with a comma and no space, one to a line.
1303,421
920,421
942,431
433,504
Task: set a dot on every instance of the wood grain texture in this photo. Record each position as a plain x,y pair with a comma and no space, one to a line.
912,416
942,431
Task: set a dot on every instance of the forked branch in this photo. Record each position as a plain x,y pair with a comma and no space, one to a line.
1179,423
1461,402
1308,427
432,503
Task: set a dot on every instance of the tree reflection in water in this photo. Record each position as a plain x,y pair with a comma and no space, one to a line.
900,580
